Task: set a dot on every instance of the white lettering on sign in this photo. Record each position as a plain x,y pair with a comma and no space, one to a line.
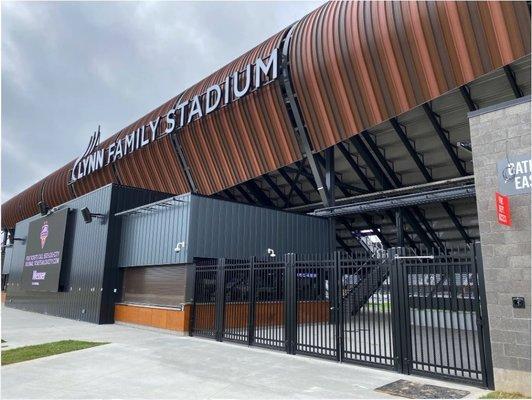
38,276
515,175
235,86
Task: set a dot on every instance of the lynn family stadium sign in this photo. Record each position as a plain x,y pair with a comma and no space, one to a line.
234,86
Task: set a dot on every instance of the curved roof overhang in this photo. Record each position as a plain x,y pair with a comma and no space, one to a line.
353,65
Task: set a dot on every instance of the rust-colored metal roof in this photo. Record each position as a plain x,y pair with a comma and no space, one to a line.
156,166
357,64
22,205
353,65
245,138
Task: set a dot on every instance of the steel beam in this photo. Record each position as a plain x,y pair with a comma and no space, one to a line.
342,243
367,218
294,113
294,187
257,192
466,94
276,189
427,175
442,134
339,183
246,195
351,161
330,176
181,156
400,227
369,160
411,150
407,200
385,182
510,75
229,195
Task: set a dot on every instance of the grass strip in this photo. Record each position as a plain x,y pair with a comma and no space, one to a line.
503,395
26,353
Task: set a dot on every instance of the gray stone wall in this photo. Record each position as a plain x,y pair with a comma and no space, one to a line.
496,132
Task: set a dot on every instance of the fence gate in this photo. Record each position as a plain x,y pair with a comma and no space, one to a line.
415,313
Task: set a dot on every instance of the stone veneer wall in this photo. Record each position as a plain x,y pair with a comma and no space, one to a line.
496,131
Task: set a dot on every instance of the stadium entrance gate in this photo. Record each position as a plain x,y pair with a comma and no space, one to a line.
421,313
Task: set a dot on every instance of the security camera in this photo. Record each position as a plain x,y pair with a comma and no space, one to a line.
271,252
180,246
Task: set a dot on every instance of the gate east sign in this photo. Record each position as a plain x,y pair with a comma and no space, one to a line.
234,86
515,174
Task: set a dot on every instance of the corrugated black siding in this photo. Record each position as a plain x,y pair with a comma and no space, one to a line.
90,259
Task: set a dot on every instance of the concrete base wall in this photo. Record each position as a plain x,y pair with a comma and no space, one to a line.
497,133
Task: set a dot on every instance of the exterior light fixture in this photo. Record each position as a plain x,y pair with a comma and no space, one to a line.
88,216
464,144
271,252
43,207
180,246
14,239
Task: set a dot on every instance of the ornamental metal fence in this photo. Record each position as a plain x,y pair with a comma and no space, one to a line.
422,313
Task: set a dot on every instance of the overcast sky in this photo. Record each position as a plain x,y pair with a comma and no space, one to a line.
67,67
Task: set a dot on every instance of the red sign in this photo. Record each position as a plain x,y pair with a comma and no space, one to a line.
503,209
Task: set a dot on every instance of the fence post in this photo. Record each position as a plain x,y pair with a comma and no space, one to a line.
339,307
290,314
192,319
395,308
482,318
251,302
220,299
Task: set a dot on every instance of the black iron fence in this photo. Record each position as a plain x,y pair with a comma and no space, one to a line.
419,313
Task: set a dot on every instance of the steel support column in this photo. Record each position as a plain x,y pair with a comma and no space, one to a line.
181,155
330,176
400,227
294,112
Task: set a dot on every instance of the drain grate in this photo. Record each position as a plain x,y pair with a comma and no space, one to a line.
412,390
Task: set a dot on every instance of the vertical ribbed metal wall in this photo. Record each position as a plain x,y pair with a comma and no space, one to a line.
89,262
216,228
6,266
226,229
84,262
149,238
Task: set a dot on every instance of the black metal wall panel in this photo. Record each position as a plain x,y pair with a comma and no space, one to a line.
233,230
84,262
89,262
150,237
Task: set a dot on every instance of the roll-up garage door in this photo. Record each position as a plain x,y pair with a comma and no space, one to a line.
154,285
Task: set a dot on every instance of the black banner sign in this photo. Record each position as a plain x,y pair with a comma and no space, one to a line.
44,252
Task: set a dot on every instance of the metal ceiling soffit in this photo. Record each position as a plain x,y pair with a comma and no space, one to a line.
417,157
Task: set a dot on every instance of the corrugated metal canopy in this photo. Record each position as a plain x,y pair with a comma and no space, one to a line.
353,65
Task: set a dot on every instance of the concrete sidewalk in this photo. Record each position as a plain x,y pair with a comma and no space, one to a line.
141,363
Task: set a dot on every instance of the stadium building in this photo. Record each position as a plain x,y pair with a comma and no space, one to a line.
356,187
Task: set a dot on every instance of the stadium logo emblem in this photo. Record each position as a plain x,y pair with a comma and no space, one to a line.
44,234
